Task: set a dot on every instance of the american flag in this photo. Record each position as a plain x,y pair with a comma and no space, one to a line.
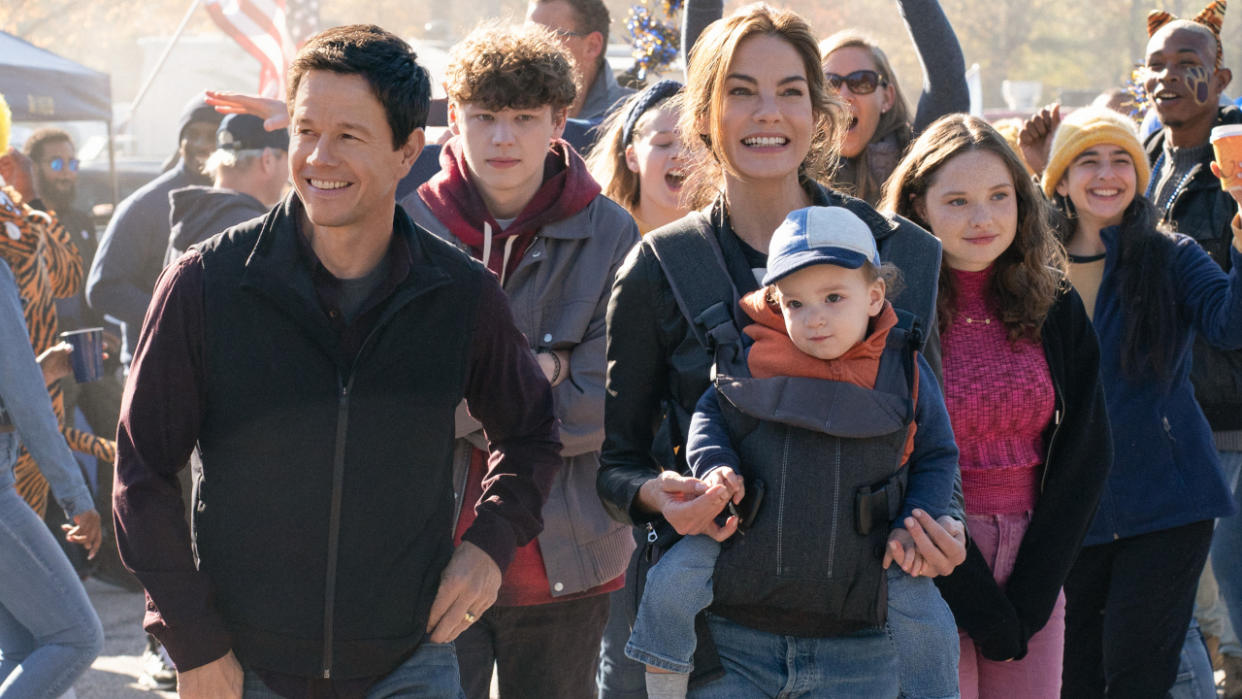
269,30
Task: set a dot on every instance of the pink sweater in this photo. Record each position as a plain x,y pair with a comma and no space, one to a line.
1000,400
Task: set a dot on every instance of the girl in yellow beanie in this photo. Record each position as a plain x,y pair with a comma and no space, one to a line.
1130,593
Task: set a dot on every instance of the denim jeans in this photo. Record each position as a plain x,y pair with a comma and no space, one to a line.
49,633
1227,545
678,587
431,673
756,663
1194,669
920,625
619,677
924,637
550,651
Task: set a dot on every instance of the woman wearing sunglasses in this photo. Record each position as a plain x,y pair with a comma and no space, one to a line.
880,125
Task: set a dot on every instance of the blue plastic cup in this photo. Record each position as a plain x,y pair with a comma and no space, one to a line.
87,357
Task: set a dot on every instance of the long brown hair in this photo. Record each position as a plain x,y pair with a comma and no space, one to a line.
1033,269
896,121
708,66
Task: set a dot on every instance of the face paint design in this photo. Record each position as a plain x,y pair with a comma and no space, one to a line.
1198,80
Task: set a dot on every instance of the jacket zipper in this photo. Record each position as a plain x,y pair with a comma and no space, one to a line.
1056,429
334,526
334,518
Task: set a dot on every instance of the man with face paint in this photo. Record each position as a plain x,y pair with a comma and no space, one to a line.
131,250
1184,83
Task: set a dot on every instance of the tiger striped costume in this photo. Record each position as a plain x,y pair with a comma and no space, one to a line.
47,266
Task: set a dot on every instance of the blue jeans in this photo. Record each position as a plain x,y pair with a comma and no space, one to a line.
618,676
1194,669
1227,544
861,664
920,626
924,637
679,586
431,673
49,633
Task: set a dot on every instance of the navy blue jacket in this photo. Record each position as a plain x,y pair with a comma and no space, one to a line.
131,254
1165,469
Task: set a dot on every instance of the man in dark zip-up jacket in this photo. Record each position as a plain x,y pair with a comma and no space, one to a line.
314,358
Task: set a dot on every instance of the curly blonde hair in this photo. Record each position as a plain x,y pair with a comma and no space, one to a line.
709,66
501,66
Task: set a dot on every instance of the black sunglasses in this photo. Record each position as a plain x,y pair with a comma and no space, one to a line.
58,164
860,82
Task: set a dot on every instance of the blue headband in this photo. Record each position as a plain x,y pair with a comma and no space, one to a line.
647,99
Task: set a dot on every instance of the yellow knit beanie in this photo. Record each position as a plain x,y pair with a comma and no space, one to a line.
1087,127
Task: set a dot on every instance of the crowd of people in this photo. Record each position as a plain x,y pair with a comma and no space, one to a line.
764,384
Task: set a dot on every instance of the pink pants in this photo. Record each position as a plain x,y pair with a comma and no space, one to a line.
1036,676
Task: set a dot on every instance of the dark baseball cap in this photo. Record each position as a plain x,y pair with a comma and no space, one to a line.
246,132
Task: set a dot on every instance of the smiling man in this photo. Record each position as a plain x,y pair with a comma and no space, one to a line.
314,358
1184,82
521,201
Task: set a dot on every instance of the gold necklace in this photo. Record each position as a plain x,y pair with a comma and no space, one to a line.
985,321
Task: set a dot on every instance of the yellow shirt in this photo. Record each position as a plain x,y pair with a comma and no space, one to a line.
1085,273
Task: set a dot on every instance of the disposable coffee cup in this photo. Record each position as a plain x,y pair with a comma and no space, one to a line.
1227,142
87,356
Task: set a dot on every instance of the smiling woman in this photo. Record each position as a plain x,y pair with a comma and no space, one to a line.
1153,292
762,130
1021,384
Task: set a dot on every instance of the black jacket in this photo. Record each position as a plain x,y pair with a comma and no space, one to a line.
324,511
657,366
1078,455
1203,211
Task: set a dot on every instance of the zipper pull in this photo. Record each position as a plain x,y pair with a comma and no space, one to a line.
651,534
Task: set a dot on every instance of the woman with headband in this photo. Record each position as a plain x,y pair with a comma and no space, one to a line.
639,160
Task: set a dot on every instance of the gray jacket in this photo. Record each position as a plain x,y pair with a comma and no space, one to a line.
559,295
602,95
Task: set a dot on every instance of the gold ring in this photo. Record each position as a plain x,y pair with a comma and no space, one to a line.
470,618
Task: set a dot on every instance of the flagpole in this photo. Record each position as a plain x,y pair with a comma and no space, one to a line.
133,107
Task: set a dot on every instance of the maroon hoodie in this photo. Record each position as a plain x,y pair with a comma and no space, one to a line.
454,199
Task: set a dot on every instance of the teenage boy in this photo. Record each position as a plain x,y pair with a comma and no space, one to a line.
314,359
518,199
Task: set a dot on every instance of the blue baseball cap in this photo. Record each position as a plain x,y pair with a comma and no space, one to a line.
246,132
819,235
